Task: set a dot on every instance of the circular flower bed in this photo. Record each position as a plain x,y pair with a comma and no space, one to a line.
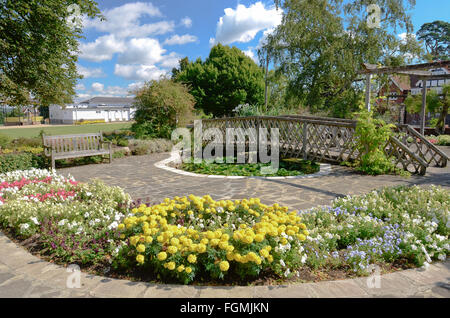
288,167
186,237
199,240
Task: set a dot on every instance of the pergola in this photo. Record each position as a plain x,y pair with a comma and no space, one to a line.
420,70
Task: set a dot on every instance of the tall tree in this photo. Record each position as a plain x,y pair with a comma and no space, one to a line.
436,36
38,49
161,106
321,44
224,80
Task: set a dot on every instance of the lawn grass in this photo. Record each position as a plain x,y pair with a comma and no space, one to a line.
62,130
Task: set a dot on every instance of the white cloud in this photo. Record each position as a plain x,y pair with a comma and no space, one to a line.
171,60
249,52
124,21
242,24
179,40
138,72
98,87
142,51
80,87
102,49
404,36
187,22
90,72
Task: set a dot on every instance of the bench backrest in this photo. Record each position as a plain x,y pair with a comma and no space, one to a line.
72,143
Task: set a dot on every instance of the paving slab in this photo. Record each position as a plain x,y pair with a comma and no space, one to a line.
24,275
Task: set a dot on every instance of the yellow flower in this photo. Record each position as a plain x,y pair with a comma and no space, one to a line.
140,259
224,266
162,256
172,249
140,248
264,253
121,227
180,268
192,258
201,248
188,270
171,266
259,237
301,237
148,239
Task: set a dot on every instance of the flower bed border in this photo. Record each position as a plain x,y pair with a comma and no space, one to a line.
403,283
175,157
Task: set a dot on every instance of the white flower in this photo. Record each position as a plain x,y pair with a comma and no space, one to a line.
442,257
24,226
304,258
35,220
287,272
113,225
62,222
282,263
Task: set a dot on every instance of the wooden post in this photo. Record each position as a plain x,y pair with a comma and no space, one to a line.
424,102
368,78
305,138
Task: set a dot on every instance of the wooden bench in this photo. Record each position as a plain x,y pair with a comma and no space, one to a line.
75,146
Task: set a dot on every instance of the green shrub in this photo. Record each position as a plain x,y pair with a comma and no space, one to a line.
21,161
119,154
122,142
443,140
161,107
27,142
4,141
372,135
140,150
142,147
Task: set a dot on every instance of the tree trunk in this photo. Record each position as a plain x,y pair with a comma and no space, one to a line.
440,125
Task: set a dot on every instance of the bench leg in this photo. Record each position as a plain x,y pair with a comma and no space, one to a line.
53,163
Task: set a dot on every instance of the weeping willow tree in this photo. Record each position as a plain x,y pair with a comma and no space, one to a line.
321,44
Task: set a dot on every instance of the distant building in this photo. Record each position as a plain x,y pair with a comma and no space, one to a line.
400,87
107,109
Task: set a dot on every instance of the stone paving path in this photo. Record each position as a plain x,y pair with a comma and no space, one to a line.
24,275
139,177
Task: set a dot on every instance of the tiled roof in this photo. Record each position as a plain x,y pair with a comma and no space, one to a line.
109,100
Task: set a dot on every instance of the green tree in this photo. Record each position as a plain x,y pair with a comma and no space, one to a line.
436,103
224,80
436,36
321,44
38,49
161,106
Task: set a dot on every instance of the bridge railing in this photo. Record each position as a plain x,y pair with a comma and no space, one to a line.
333,140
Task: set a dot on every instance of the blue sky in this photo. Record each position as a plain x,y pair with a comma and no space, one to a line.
142,40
